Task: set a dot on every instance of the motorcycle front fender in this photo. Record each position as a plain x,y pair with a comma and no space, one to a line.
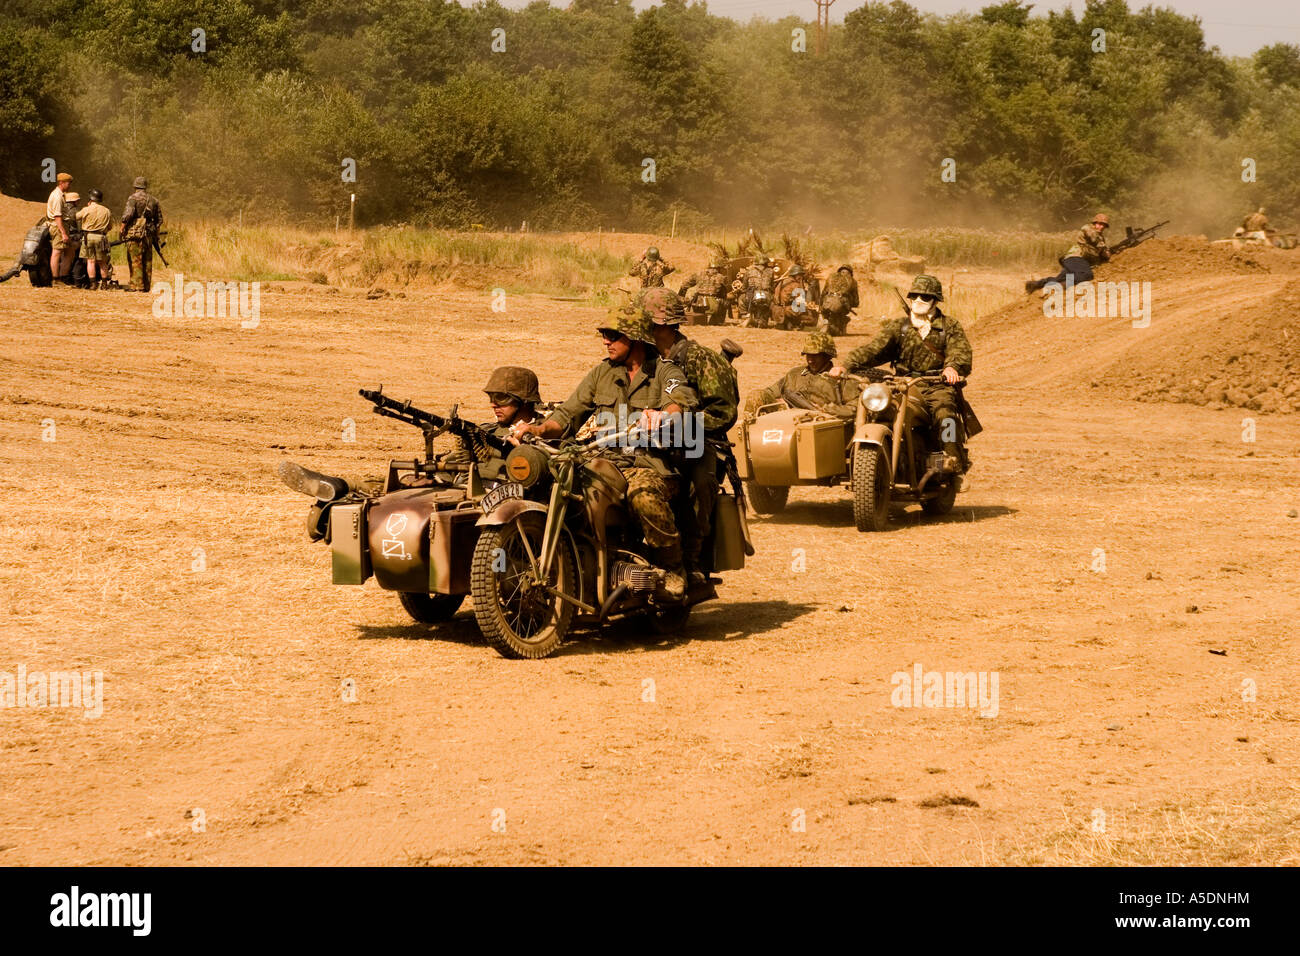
507,511
874,433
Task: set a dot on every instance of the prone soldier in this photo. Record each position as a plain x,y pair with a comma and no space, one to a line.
1089,249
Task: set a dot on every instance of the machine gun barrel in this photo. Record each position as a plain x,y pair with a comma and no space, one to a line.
429,422
1133,237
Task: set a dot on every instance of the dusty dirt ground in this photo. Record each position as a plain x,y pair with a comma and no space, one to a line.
1121,691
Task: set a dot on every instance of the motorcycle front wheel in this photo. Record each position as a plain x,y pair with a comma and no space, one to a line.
520,618
871,489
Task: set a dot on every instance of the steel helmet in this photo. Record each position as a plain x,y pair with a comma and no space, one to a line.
652,252
927,285
795,270
820,343
140,183
515,381
631,321
845,268
96,195
662,305
1101,219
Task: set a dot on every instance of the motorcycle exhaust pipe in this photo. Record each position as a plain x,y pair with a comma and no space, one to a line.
614,597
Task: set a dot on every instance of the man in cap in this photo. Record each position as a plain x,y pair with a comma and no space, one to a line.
925,342
55,209
1089,249
634,384
812,381
839,298
650,269
512,391
140,225
718,397
95,221
710,290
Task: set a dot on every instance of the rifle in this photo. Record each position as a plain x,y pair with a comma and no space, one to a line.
1133,237
118,242
474,437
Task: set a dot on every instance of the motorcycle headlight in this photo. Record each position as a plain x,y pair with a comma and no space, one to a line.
875,397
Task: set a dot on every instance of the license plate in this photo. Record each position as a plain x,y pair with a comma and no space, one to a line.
511,489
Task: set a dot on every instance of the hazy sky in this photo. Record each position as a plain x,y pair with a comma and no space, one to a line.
1237,27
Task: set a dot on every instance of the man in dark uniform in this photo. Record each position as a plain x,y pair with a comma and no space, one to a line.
140,225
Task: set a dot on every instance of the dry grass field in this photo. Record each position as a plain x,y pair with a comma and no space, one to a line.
151,541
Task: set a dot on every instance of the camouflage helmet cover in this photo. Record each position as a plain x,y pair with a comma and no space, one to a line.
1101,219
662,305
820,343
631,321
652,252
516,381
927,285
140,183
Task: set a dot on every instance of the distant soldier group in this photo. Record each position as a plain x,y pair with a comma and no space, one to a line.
80,249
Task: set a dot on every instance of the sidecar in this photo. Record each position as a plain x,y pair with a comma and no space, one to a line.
416,538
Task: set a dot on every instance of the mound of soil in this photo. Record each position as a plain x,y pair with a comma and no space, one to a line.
1252,360
1221,331
1183,257
16,217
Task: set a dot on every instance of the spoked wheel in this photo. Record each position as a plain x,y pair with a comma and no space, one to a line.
766,499
942,504
870,489
518,616
430,608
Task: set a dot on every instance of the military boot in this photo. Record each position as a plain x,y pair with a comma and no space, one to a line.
951,458
308,482
669,561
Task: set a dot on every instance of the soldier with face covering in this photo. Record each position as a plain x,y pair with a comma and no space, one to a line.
924,342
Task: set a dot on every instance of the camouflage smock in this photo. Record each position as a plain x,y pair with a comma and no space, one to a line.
898,342
1090,244
714,382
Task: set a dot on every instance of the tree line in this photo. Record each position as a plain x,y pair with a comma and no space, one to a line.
596,113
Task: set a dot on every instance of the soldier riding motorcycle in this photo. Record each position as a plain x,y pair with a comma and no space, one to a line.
708,303
910,443
414,530
584,531
756,298
794,300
